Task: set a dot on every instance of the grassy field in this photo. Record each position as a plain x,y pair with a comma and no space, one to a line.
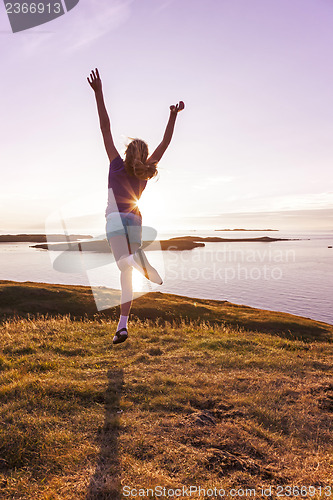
205,394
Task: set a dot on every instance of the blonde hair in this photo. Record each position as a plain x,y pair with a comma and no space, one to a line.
136,156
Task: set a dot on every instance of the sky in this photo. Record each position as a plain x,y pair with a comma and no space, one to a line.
253,147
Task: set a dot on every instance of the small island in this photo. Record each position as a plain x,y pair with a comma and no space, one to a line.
172,244
256,230
102,246
216,239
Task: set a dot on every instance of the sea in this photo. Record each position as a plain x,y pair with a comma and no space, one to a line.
293,276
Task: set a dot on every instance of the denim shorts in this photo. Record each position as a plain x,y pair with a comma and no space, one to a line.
128,224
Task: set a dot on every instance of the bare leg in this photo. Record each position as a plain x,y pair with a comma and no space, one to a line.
126,291
126,286
130,257
141,263
119,247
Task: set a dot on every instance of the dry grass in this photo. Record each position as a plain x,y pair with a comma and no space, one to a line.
176,405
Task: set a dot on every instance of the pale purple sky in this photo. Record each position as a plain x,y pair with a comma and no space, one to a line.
256,135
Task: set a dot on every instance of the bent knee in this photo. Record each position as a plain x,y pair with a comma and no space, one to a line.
123,264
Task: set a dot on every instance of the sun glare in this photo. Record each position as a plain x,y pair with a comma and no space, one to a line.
137,281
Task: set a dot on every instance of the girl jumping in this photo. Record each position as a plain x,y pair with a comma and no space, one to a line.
127,180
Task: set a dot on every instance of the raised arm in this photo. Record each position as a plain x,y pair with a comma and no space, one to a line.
95,83
160,150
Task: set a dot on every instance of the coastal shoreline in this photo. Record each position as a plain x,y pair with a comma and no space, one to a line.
31,298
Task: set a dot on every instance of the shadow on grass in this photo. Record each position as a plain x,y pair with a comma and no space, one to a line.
105,482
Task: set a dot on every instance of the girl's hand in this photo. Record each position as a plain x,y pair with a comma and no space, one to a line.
179,107
95,81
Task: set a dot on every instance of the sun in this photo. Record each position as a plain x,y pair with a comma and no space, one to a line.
153,209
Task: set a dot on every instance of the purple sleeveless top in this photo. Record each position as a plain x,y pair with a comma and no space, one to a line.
124,190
